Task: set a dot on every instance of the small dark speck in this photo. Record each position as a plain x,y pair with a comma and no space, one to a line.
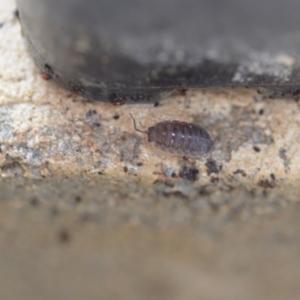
125,169
182,92
296,92
214,179
78,90
204,192
261,111
272,176
97,124
90,113
212,167
256,149
34,202
117,100
78,199
173,175
35,154
1,24
156,104
265,183
16,13
46,76
116,117
48,68
139,164
282,153
100,173
169,184
64,236
189,173
176,194
0,150
149,97
240,171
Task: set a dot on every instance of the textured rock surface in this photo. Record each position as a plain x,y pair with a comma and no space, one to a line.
89,209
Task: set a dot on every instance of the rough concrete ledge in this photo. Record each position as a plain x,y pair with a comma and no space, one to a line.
48,131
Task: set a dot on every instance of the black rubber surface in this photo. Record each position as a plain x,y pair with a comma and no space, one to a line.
136,49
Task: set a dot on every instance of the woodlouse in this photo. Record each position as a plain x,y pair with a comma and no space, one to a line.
178,138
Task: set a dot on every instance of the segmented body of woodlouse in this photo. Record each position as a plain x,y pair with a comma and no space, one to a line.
178,138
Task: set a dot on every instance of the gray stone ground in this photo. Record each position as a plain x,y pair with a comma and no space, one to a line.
89,210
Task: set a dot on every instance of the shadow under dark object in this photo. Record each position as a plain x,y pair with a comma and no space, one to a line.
136,50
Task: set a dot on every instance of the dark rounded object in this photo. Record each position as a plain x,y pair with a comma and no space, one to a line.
179,138
136,50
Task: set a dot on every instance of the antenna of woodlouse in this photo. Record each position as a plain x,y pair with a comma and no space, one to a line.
134,124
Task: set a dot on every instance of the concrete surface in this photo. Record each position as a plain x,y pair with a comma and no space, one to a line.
90,210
